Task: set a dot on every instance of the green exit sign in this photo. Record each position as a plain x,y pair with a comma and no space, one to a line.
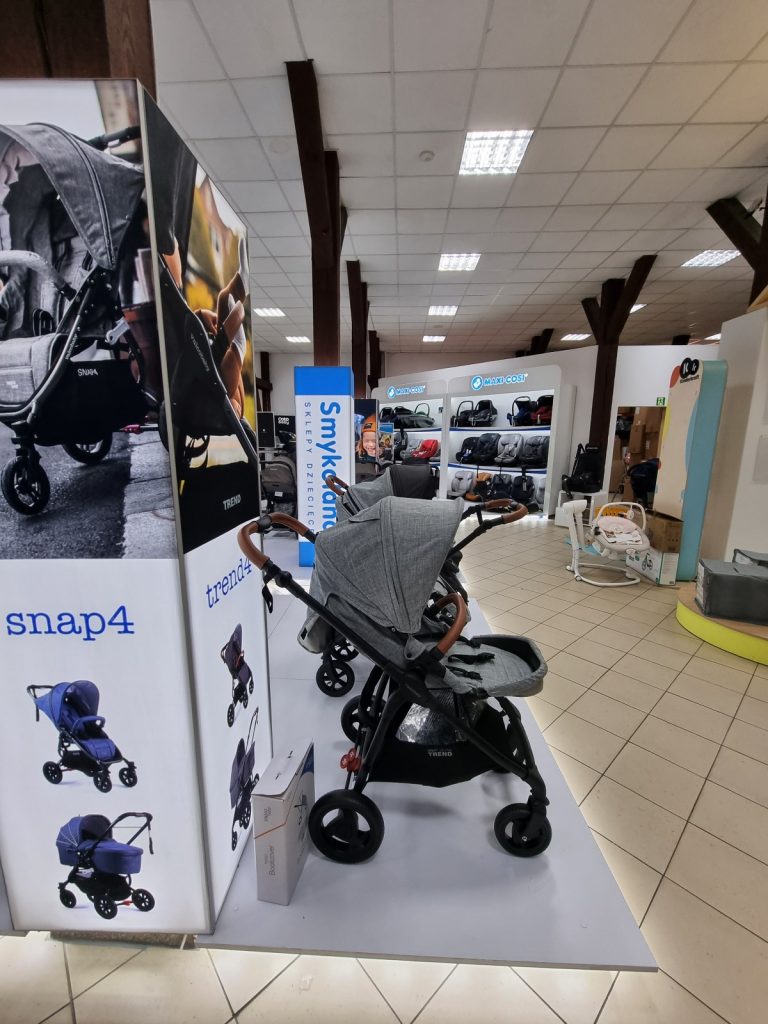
661,400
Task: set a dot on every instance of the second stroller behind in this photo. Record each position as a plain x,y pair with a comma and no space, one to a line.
242,779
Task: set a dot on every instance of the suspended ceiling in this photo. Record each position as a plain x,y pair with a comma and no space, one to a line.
643,114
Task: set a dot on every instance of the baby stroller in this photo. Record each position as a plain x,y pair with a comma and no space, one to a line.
278,484
70,371
73,709
242,779
425,714
102,867
242,678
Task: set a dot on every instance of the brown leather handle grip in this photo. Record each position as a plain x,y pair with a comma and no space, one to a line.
495,503
336,484
459,621
513,517
280,519
247,546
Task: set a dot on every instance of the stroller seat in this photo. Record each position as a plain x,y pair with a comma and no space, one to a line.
114,857
24,365
100,747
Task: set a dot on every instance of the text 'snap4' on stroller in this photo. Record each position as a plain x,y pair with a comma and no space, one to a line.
435,710
83,744
70,372
102,867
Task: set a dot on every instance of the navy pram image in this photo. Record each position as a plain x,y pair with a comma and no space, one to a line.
242,678
73,709
102,867
242,779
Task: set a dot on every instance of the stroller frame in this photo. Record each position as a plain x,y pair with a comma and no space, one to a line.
106,889
390,690
242,811
240,690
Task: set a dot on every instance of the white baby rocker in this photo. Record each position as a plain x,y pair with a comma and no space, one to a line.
610,537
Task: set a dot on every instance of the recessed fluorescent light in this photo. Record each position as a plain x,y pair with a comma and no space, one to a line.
442,310
433,337
459,260
574,337
494,152
297,339
712,258
713,337
638,305
269,311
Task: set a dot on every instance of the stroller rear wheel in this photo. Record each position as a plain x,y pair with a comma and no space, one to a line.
128,776
339,835
350,720
89,454
335,678
344,651
52,772
234,839
245,817
143,900
231,715
25,486
509,828
102,781
105,907
244,698
250,685
68,898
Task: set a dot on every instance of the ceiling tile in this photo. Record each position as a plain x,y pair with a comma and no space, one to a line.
423,261
598,187
261,266
294,193
510,98
579,260
626,32
752,151
475,191
363,156
542,260
742,98
282,151
630,148
268,225
288,245
431,101
368,193
539,189
678,215
267,103
659,186
560,149
712,30
421,222
717,184
446,149
234,159
575,218
204,110
603,241
699,145
701,238
471,220
256,196
586,96
371,222
378,262
195,59
629,215
343,37
529,33
437,35
355,103
501,261
654,240
671,94
252,39
531,218
556,241
366,244
421,192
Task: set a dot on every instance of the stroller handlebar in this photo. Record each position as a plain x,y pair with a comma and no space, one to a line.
263,525
459,621
337,485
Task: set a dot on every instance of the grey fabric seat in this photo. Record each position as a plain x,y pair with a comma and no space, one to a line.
24,365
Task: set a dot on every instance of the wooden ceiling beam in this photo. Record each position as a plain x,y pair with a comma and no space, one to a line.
748,236
540,343
358,308
374,349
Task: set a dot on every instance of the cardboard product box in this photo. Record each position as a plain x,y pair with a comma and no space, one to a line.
637,438
731,590
653,419
281,802
616,448
617,474
744,557
664,532
652,445
660,567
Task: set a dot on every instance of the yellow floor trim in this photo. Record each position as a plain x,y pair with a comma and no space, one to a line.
715,631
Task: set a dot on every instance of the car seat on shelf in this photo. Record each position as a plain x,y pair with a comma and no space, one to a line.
523,489
541,416
463,415
534,451
522,411
481,491
423,452
467,451
462,481
484,414
509,449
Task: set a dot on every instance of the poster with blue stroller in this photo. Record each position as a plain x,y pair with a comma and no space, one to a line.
243,778
233,656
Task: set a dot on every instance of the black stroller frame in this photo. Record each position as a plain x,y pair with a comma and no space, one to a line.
521,829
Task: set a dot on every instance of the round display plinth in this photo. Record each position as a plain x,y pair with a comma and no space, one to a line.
745,639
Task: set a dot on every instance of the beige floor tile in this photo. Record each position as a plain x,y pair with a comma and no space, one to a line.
643,829
550,635
502,995
657,779
666,597
89,962
686,644
492,603
33,979
640,998
717,960
65,1016
244,973
173,987
715,654
741,774
749,740
319,988
637,881
628,626
673,626
733,818
580,777
532,587
577,669
616,639
543,712
593,616
645,604
677,745
637,667
547,651
722,675
608,713
570,624
629,691
554,604
510,622
560,691
661,655
709,694
575,995
758,688
762,671
535,611
651,618
712,725
587,743
753,711
406,985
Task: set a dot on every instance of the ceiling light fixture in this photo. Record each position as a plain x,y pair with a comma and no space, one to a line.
433,337
459,260
297,339
494,152
713,337
426,155
269,311
575,337
712,258
442,310
638,305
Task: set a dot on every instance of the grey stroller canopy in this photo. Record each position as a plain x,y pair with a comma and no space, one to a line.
398,481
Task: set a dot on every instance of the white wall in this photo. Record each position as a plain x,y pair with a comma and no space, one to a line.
281,371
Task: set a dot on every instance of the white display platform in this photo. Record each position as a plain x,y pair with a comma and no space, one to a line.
440,887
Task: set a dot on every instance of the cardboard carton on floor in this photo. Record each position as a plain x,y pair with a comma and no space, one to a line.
664,532
660,567
281,802
733,590
637,438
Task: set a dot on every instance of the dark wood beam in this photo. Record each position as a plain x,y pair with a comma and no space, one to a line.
326,280
358,307
88,39
264,382
540,343
748,236
592,309
374,349
628,294
681,339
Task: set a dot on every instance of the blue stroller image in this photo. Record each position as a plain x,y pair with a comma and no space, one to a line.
242,779
101,866
73,709
242,678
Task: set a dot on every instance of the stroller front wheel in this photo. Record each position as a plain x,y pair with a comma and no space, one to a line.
335,678
105,907
143,900
353,834
350,719
102,781
234,839
344,651
231,715
67,898
250,685
89,454
52,772
128,777
25,486
509,828
245,817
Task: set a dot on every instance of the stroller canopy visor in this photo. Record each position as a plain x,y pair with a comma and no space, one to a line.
83,835
99,191
385,560
67,702
400,481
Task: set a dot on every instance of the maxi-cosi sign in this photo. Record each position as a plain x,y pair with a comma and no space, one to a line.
324,441
478,382
403,390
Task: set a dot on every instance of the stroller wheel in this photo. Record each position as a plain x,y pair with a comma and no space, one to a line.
52,772
68,898
250,685
350,719
245,698
509,825
335,678
234,839
89,454
245,817
231,715
142,900
350,835
344,651
128,776
25,486
102,781
105,907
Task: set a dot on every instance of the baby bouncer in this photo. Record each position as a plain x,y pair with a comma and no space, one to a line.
616,531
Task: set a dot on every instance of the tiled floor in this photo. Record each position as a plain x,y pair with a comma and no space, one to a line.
664,742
